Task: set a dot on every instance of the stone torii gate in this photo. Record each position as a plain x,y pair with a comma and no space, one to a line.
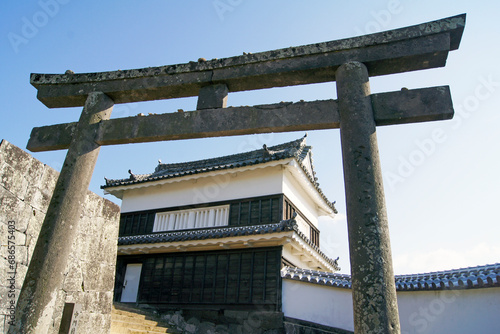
357,112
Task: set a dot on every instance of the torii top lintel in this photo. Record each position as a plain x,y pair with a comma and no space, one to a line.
412,48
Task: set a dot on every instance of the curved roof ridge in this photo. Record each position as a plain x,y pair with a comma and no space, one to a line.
295,148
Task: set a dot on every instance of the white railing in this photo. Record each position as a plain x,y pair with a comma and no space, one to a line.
192,218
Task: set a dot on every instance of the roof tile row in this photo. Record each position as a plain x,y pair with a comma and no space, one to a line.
224,232
465,278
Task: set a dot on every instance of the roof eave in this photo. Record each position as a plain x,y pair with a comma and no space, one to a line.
323,205
152,183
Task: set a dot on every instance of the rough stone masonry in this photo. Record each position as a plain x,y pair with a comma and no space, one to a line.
25,191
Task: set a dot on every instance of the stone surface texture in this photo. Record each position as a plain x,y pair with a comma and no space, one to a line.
412,48
373,287
212,96
25,192
400,107
38,302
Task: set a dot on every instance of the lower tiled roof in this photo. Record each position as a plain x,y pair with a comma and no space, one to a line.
472,277
209,233
224,232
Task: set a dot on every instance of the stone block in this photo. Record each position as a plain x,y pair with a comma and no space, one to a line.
36,181
235,329
21,270
20,239
189,329
84,245
88,226
4,229
74,296
93,205
107,277
12,181
23,217
39,198
90,275
206,327
107,250
5,265
110,211
33,229
193,321
74,277
24,259
268,320
48,182
4,300
94,323
213,96
12,209
14,156
97,302
236,316
222,329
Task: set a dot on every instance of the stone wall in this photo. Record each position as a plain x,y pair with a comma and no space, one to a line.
26,187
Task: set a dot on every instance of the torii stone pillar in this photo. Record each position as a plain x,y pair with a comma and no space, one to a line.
39,294
373,287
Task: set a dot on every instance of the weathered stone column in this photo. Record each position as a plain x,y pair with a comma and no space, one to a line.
38,297
373,286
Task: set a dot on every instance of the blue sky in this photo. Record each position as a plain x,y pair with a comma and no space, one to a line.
441,178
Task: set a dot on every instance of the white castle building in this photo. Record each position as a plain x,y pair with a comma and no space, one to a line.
240,232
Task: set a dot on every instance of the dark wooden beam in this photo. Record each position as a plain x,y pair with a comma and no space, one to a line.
412,48
406,106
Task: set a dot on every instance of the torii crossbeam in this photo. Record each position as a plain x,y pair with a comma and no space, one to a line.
349,62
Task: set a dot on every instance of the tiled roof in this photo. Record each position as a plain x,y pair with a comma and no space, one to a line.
295,149
208,233
472,277
318,277
223,232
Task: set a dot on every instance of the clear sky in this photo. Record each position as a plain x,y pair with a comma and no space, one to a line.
441,178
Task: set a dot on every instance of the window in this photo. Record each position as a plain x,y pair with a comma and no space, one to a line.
256,211
136,223
191,218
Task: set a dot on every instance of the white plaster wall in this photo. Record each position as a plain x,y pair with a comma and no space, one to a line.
428,312
212,187
453,311
317,303
299,198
